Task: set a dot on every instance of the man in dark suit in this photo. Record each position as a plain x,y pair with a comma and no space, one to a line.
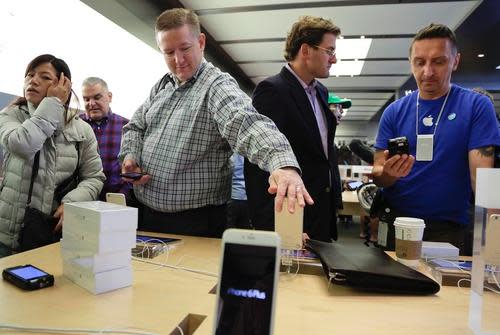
298,104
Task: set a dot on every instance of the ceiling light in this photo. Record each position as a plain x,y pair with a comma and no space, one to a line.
498,67
83,61
352,48
480,55
362,36
346,68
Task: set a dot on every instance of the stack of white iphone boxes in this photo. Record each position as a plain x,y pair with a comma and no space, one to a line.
96,245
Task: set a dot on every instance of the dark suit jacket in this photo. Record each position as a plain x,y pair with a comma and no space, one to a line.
283,99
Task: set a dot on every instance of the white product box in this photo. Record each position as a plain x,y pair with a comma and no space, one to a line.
443,250
89,244
98,282
98,217
97,262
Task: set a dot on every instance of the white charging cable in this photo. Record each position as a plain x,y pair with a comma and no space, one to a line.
73,330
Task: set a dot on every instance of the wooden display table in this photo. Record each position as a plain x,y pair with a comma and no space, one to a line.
161,298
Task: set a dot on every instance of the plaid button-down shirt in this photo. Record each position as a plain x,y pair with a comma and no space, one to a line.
109,133
184,135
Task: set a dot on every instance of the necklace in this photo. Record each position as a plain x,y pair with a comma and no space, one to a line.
439,116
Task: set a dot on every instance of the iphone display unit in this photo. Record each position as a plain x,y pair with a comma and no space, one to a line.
28,277
116,198
152,246
289,226
248,277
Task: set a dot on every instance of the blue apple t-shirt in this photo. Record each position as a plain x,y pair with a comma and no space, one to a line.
440,189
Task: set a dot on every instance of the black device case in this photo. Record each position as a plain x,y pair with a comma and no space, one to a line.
370,269
29,285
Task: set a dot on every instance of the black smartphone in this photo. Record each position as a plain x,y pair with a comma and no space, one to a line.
398,146
28,277
132,175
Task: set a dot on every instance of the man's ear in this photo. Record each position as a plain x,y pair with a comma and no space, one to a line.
202,41
304,49
110,96
456,61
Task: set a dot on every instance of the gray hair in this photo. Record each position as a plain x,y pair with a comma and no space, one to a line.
91,81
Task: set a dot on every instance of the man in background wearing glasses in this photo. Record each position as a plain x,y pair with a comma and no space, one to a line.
298,104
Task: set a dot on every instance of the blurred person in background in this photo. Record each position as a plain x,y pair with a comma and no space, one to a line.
107,128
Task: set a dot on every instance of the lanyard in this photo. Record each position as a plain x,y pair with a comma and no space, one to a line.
439,116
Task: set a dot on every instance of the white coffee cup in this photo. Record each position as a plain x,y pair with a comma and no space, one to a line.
409,233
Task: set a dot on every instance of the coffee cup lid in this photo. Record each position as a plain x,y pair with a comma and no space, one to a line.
407,221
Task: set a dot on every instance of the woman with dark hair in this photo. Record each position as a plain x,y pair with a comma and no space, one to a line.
41,121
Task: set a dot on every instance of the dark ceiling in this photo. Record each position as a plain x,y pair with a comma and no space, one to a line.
478,34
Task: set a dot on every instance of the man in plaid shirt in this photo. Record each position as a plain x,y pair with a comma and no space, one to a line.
183,135
107,128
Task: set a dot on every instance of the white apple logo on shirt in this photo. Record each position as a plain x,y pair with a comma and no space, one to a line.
427,121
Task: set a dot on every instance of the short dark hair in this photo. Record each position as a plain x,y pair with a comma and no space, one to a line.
309,30
177,17
436,30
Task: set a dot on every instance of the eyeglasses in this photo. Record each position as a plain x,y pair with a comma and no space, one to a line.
329,52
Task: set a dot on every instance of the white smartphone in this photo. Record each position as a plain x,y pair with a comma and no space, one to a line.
248,277
289,226
116,198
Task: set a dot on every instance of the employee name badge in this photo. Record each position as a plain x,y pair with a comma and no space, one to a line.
425,147
382,233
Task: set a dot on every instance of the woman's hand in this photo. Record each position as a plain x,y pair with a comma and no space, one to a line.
61,89
59,214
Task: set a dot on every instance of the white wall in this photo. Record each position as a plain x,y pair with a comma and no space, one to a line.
91,45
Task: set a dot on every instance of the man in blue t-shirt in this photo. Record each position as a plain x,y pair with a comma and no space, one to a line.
451,131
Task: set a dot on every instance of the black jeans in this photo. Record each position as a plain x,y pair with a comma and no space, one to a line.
435,231
447,231
237,214
208,221
5,250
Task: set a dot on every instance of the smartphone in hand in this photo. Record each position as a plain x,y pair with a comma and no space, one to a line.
398,146
133,175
